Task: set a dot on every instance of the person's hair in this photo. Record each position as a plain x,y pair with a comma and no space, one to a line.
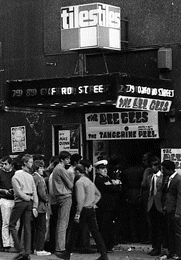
63,155
86,163
75,158
80,168
169,165
17,163
55,160
26,158
154,159
7,158
37,164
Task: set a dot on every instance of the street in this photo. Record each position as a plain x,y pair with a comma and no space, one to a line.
125,252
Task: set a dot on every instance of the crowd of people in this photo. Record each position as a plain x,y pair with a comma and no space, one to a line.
58,207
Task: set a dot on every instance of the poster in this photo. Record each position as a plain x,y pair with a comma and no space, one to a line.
68,141
18,139
122,125
172,154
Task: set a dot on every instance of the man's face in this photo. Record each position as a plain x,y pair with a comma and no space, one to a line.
166,172
90,168
66,161
102,170
29,163
6,166
155,166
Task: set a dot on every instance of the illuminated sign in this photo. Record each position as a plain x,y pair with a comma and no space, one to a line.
61,91
127,102
144,90
93,25
122,125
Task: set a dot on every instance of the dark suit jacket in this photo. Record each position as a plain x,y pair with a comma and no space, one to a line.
157,199
173,196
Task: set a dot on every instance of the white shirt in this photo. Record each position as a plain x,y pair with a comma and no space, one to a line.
154,177
170,178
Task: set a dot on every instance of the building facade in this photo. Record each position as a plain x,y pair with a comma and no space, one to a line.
32,59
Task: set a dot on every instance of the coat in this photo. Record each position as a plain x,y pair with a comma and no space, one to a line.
156,199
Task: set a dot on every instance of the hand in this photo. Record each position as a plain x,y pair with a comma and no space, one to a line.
35,213
107,183
77,218
177,216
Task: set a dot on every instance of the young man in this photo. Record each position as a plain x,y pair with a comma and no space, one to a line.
87,196
155,209
62,185
26,201
172,207
6,201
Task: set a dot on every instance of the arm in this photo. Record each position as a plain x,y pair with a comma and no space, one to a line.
65,177
41,189
17,190
97,195
80,196
178,205
35,196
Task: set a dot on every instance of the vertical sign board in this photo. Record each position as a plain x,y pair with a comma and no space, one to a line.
172,154
68,141
122,125
93,25
18,139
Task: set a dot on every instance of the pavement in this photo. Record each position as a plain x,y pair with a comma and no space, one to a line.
120,252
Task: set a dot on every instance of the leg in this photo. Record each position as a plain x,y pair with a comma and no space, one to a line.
62,223
16,213
40,223
90,217
6,208
27,215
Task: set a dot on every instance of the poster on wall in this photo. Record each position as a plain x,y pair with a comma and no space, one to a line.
122,125
18,139
68,140
172,154
100,150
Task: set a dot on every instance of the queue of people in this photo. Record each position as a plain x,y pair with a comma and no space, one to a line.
55,209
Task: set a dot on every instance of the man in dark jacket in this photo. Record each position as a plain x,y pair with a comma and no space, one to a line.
107,206
172,207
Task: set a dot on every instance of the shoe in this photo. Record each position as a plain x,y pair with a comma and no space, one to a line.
10,250
19,257
170,255
86,251
154,252
109,250
26,257
103,257
175,257
63,255
42,253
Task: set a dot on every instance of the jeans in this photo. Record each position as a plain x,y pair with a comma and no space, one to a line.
88,216
21,209
6,207
64,206
39,231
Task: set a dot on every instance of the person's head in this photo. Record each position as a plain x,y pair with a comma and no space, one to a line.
64,157
79,170
154,163
145,159
27,162
168,167
101,167
75,159
7,163
17,163
87,164
38,166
